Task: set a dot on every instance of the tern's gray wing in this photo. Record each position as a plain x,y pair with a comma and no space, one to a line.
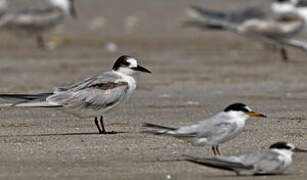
215,19
99,92
232,16
215,128
264,162
220,163
32,18
284,27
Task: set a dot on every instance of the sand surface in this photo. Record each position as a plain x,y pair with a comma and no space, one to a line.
195,74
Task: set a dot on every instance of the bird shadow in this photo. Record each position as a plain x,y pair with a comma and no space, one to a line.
64,134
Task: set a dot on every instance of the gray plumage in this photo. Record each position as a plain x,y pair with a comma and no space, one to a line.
218,129
215,130
90,97
97,93
213,19
277,28
263,162
37,19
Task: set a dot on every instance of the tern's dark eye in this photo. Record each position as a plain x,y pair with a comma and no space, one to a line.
121,62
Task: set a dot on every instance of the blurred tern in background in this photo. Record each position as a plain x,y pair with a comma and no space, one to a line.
3,7
286,20
37,19
218,129
275,160
94,95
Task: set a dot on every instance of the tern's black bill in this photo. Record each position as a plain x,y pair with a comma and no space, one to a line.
141,68
299,150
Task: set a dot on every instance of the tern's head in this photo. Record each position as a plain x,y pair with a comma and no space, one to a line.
128,65
68,6
286,146
242,110
280,7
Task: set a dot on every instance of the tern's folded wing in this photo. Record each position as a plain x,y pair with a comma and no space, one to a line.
280,28
94,95
266,162
32,18
238,16
219,163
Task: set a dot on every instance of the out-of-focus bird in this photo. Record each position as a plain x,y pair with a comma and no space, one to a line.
37,19
286,20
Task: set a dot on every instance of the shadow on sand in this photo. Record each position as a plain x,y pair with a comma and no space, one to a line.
64,134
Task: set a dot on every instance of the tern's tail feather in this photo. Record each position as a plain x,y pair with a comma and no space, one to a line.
164,129
23,97
218,163
209,13
211,20
29,104
156,126
27,100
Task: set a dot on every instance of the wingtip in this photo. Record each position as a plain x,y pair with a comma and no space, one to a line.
153,132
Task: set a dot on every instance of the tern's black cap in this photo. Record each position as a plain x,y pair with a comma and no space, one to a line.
281,145
237,107
121,62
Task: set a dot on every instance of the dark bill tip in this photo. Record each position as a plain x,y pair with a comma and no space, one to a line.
262,115
142,69
255,114
299,150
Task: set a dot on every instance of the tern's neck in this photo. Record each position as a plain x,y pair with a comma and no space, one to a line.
284,152
284,8
124,73
238,115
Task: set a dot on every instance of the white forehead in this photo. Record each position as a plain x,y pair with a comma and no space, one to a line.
132,62
248,108
291,146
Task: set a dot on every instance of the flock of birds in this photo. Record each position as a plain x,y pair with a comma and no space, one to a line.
101,93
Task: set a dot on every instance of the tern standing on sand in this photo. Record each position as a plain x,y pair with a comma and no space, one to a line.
218,129
90,97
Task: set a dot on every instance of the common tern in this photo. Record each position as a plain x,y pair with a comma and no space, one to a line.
275,160
37,19
216,130
90,97
287,20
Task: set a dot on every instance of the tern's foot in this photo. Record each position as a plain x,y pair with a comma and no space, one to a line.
57,41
